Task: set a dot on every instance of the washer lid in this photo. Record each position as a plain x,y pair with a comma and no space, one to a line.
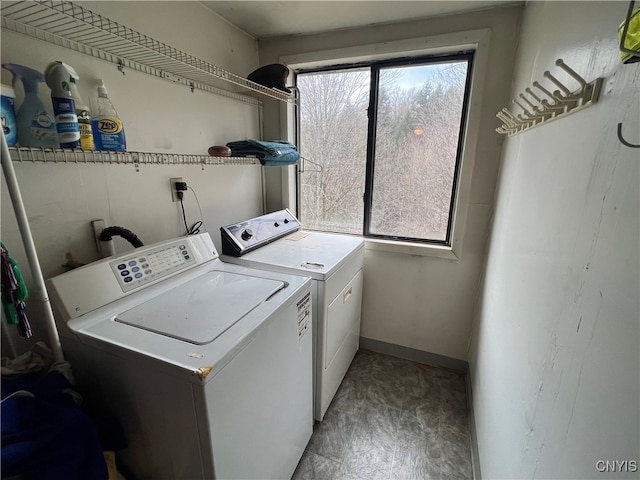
202,309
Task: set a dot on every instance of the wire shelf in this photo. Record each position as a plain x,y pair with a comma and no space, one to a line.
47,155
77,28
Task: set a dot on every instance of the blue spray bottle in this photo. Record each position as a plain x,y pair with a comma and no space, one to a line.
36,126
64,108
108,130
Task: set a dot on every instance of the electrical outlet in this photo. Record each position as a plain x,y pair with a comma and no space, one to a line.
174,195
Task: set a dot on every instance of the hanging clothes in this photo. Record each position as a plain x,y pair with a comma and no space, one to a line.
14,294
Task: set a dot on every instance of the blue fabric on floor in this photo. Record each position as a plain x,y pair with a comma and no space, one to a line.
47,436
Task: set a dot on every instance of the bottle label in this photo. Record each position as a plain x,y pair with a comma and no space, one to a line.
109,134
83,116
110,125
86,132
9,120
43,129
66,122
41,120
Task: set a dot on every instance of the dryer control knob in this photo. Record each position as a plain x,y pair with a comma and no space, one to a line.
276,224
246,235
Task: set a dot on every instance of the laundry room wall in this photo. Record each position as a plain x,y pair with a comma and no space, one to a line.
554,356
420,302
62,199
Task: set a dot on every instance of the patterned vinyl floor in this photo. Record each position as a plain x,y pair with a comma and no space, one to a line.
392,419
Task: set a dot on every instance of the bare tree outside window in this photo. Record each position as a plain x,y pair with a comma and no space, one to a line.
333,141
413,134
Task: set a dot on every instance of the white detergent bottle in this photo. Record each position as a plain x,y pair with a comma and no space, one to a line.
35,124
64,108
108,131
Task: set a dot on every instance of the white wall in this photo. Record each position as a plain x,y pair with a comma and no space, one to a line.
158,116
423,302
554,357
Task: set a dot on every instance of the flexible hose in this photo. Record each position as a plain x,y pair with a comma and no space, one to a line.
107,234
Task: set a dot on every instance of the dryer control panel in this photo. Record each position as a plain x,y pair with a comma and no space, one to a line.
243,237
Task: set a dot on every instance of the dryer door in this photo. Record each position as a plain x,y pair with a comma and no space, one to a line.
343,321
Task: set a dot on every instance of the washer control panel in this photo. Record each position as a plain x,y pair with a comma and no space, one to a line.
149,265
102,282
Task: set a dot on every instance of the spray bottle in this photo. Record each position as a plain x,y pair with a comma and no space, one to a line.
108,131
64,108
82,111
36,126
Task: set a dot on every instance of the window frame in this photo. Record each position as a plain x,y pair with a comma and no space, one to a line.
477,40
375,68
372,132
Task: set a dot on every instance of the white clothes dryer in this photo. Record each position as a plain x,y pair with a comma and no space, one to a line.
277,242
207,365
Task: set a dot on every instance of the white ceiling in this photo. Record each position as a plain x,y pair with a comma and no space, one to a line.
262,19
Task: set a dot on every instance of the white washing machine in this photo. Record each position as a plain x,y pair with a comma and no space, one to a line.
207,365
276,242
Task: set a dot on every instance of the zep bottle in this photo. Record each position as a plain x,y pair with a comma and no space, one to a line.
108,131
64,108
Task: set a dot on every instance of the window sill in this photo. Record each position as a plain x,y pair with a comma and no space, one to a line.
409,248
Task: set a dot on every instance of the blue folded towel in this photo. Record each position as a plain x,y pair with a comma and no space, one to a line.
274,153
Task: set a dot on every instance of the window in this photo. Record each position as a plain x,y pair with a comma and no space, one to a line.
382,145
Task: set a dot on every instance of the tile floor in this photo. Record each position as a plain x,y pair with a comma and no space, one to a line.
392,419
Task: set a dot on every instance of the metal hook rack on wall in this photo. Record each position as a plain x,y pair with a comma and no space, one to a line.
543,105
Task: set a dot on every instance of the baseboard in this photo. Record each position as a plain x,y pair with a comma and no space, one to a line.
414,355
436,360
475,454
